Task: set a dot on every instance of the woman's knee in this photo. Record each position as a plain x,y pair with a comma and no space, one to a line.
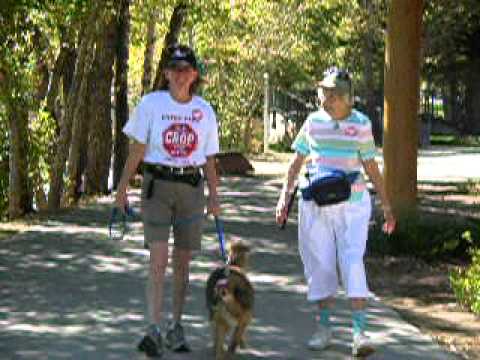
182,257
158,261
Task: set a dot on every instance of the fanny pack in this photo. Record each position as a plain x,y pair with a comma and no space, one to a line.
330,187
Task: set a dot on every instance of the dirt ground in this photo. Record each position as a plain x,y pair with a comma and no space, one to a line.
421,293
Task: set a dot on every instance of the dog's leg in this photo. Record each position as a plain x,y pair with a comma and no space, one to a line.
238,338
220,328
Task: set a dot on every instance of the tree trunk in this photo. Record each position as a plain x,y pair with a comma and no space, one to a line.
472,94
99,148
82,68
149,51
402,59
247,134
19,189
50,92
82,118
171,38
121,91
58,72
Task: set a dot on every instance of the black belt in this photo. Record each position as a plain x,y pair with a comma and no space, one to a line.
188,175
171,170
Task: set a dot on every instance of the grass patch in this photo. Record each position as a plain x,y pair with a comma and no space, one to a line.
470,187
5,234
428,236
452,140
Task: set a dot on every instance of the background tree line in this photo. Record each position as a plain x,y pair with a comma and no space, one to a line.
70,70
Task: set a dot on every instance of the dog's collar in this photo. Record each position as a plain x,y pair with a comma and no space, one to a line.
222,283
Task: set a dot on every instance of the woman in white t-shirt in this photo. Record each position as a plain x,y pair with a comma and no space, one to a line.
175,134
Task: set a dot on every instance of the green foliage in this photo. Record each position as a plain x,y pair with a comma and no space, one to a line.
452,140
282,146
432,237
292,41
43,133
465,283
470,187
462,21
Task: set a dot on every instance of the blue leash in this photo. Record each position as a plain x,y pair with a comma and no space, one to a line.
221,238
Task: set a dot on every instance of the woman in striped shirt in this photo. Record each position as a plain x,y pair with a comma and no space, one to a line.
339,138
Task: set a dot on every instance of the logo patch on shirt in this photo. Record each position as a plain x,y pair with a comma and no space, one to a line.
180,140
197,115
350,131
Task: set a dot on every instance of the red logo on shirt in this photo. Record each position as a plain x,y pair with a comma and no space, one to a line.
350,131
180,140
197,115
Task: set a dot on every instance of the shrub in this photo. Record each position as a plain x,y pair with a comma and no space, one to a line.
470,187
433,237
465,283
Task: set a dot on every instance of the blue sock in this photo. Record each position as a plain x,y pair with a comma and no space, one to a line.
323,317
359,320
155,329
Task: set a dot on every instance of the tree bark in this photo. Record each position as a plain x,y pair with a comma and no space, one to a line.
120,152
149,51
99,148
402,60
171,38
82,118
19,189
55,82
82,68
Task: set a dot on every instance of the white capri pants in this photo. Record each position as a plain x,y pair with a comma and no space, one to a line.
331,234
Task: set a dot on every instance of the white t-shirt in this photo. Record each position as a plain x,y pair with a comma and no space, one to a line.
176,134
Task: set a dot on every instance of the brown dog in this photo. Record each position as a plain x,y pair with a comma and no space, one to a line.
230,297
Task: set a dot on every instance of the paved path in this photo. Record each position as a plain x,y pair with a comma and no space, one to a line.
68,292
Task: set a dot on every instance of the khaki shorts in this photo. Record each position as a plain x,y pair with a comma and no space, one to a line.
173,203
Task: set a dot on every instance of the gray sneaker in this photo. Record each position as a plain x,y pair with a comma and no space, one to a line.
321,338
152,343
362,345
175,338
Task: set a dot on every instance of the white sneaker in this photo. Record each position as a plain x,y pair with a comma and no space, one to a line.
320,339
362,345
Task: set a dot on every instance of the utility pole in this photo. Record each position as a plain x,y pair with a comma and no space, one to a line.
266,113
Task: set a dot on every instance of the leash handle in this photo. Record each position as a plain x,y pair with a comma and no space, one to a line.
221,237
123,218
289,207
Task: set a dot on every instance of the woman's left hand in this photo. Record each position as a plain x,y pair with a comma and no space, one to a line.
390,221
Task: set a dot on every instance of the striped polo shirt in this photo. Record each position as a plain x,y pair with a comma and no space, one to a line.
335,144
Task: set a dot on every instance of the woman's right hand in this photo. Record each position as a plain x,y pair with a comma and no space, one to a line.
281,210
